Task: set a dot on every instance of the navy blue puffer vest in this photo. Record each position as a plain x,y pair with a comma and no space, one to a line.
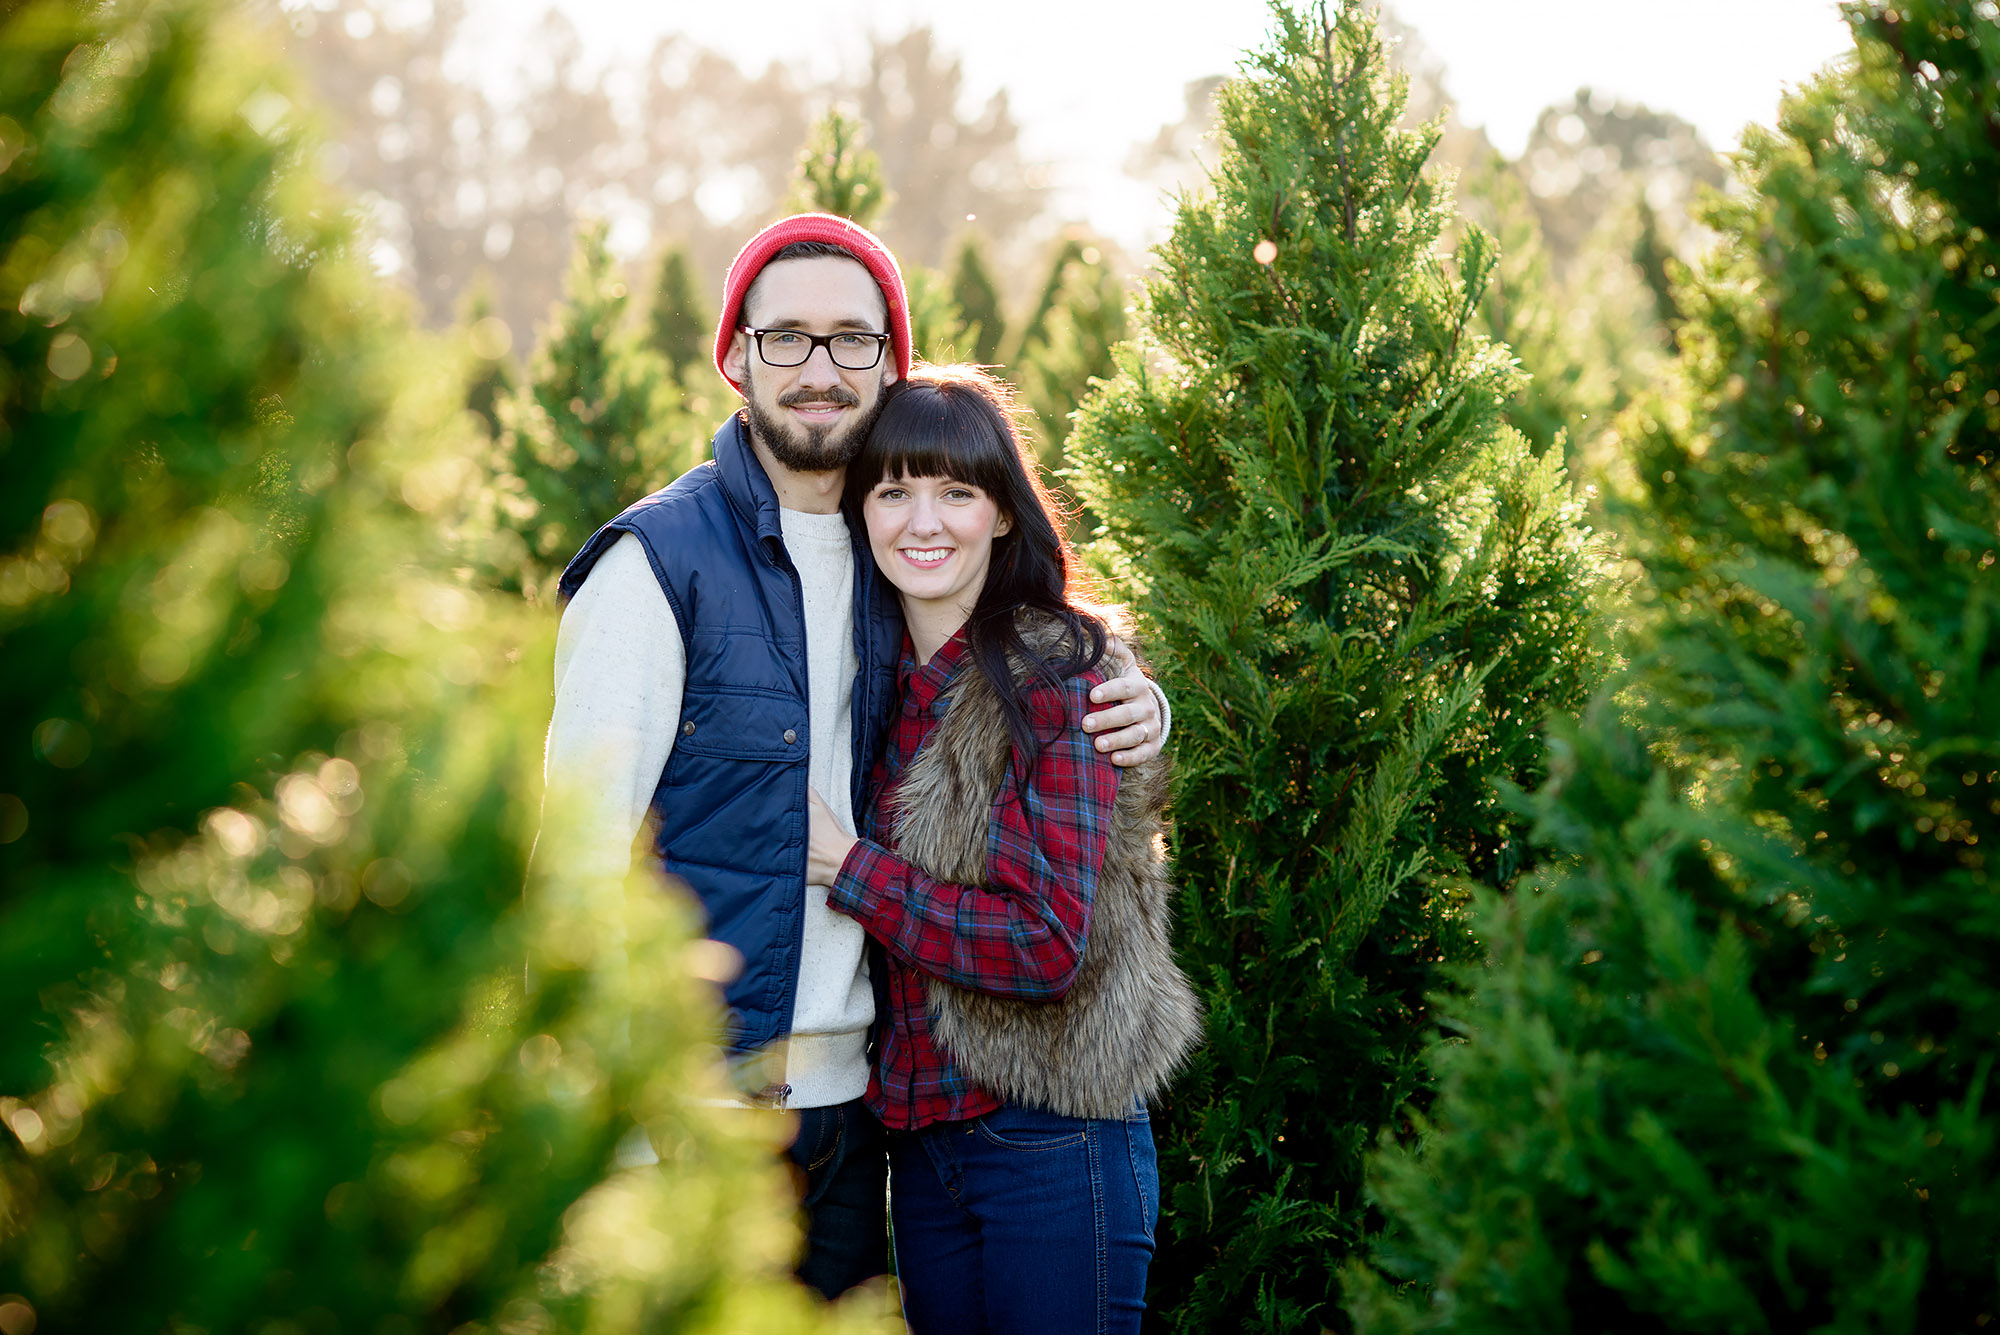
730,809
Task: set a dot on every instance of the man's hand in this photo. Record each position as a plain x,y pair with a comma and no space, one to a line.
827,848
1130,730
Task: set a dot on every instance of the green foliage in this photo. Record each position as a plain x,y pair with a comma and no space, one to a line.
270,1062
676,326
1656,262
489,340
838,173
599,424
936,332
1523,308
1591,331
1365,593
1732,1070
978,302
1069,340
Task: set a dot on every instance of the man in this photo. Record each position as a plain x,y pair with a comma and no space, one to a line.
726,644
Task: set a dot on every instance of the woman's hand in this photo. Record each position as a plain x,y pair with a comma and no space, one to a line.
827,847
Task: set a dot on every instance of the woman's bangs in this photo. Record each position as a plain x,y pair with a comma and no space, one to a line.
923,433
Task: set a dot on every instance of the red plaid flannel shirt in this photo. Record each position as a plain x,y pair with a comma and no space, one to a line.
1022,935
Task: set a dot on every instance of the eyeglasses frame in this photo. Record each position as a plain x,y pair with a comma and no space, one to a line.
817,341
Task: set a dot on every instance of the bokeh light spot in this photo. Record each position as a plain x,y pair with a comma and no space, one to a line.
262,572
239,834
26,1123
305,807
491,339
386,882
69,356
16,1316
62,742
163,661
713,961
68,523
539,1053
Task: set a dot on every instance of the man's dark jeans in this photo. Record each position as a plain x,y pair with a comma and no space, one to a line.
843,1154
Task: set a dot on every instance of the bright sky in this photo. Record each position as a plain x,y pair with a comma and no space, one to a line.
1089,78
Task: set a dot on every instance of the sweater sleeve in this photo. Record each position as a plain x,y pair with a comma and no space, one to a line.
620,670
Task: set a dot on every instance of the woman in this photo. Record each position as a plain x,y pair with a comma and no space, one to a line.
1015,881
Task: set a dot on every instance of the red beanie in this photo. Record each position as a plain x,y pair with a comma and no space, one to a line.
851,237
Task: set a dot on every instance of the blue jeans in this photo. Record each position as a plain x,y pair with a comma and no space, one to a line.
840,1151
1024,1221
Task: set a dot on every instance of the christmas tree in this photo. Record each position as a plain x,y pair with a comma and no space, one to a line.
676,326
1524,309
937,334
489,341
271,1062
1731,1068
1068,342
600,422
1365,592
978,302
838,173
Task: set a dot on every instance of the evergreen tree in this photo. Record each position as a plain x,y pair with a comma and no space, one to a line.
1367,592
266,787
1075,329
1619,336
489,340
598,425
1732,1071
1069,251
1589,332
676,326
1655,259
1524,309
936,332
978,302
838,173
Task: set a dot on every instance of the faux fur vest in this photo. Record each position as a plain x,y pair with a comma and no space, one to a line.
1130,1017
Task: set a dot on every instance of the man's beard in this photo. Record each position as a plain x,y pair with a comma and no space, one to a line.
810,449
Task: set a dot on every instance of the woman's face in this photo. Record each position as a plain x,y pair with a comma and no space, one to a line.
933,537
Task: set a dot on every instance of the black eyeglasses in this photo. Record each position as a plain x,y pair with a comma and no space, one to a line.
791,347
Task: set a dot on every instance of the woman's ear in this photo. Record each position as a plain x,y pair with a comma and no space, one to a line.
1005,525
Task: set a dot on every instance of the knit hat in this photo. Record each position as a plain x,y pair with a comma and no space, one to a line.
851,237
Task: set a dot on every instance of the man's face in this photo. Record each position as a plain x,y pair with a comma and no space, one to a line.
812,417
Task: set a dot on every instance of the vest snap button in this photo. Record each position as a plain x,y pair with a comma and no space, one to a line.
687,729
791,735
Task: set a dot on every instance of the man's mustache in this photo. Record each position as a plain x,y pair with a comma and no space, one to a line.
847,398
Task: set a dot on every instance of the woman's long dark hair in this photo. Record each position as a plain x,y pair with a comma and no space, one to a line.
958,422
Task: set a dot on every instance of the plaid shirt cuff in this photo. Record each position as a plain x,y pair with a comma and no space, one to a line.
857,890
